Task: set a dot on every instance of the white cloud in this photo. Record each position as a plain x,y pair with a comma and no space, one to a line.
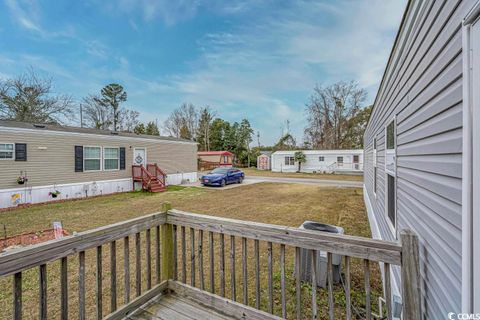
26,13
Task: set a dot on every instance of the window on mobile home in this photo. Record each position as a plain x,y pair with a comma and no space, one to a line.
340,161
111,158
321,158
6,151
92,158
390,145
289,161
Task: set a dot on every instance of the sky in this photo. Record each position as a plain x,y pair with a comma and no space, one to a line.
254,59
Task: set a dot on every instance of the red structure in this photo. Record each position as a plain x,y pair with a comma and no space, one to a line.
152,178
263,162
209,160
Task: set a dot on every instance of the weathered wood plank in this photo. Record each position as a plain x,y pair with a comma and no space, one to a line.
245,270
368,304
411,281
282,281
222,265
148,258
81,286
126,270
184,254
169,247
212,262
227,306
99,284
192,257
257,273
348,300
377,250
42,282
270,277
158,272
298,284
25,258
138,265
314,284
64,288
233,282
201,272
136,303
331,309
388,291
113,276
175,253
17,296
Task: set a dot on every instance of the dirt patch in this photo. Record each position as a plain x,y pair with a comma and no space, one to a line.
28,238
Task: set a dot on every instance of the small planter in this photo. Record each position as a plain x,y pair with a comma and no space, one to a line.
54,194
22,180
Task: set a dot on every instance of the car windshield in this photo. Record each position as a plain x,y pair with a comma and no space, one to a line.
219,171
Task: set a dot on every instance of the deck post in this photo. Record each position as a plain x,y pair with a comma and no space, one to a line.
411,282
167,246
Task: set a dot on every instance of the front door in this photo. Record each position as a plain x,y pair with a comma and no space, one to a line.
140,156
355,162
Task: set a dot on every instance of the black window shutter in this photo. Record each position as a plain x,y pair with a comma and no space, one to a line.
78,159
122,158
20,152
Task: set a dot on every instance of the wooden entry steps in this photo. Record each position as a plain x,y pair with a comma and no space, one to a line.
152,178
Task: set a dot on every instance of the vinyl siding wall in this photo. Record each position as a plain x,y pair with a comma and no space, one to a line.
422,89
55,164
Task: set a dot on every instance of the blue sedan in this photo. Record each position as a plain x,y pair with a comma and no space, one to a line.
222,176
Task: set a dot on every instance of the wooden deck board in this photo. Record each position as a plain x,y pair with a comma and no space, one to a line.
175,308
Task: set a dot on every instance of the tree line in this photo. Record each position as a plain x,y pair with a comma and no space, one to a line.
336,117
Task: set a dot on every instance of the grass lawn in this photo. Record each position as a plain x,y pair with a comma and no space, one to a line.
326,176
284,204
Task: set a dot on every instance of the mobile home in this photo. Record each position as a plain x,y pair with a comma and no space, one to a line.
43,162
208,160
421,148
319,161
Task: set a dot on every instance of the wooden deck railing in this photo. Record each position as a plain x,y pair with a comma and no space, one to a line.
155,171
182,242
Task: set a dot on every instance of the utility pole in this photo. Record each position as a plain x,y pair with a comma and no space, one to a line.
258,139
81,116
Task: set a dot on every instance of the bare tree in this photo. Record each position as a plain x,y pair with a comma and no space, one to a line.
96,115
29,98
204,124
128,119
330,113
181,120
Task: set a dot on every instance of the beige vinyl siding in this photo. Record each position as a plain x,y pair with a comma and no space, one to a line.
51,157
422,88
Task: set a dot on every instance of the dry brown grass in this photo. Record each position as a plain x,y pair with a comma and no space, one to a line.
284,204
322,176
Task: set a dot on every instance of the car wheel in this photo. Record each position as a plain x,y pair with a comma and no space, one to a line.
240,180
223,183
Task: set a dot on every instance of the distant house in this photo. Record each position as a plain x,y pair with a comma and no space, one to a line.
208,160
422,168
264,160
319,161
81,162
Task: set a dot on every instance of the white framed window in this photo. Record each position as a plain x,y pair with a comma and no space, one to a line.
111,158
390,147
321,158
340,161
7,151
92,158
289,161
390,175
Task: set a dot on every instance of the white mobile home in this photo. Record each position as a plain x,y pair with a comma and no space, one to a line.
422,151
319,161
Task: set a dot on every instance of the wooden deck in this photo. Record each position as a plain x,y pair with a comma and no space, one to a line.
154,282
175,307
